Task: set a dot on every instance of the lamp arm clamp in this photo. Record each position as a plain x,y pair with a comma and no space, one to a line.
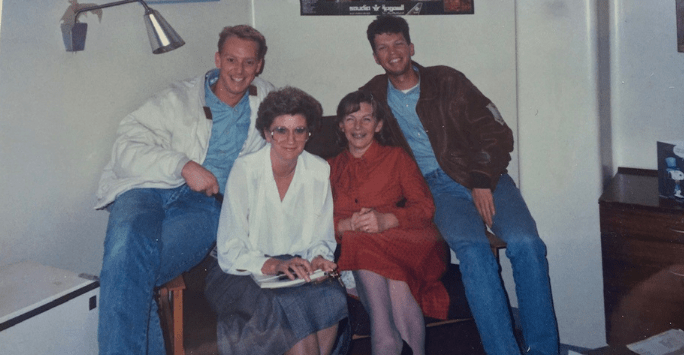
111,4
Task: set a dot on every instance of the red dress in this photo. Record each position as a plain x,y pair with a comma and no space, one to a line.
413,252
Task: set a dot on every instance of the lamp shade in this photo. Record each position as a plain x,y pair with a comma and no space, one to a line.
162,36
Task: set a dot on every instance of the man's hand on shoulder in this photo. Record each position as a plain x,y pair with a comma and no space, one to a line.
200,179
484,203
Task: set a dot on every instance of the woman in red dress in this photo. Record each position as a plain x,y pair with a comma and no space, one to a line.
383,223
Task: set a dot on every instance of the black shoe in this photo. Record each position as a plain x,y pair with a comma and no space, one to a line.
406,349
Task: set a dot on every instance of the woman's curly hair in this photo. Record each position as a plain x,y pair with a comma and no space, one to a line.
289,101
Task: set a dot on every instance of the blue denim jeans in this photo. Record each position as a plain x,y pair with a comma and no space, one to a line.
463,229
153,235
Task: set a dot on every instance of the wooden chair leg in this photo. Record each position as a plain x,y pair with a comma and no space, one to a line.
178,348
495,243
171,311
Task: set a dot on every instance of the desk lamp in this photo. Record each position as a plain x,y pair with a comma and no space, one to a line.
162,36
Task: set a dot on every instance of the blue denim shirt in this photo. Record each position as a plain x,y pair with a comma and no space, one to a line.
228,132
403,107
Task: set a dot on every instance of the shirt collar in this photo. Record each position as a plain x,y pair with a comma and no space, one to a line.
392,88
370,154
212,100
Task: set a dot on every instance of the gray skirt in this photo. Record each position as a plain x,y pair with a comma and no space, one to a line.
252,320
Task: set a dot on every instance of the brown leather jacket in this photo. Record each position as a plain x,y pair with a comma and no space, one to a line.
471,141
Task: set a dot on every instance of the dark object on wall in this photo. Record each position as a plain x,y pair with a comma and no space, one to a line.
680,25
74,36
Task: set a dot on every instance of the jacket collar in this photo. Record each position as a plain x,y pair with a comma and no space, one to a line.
379,83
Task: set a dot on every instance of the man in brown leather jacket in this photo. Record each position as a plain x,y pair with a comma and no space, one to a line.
462,146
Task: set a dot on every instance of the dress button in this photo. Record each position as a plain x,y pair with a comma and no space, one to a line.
356,200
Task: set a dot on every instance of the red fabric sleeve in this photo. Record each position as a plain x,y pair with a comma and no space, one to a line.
420,208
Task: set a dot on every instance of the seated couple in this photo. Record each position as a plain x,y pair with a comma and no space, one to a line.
277,218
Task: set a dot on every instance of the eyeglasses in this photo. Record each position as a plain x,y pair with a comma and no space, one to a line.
280,134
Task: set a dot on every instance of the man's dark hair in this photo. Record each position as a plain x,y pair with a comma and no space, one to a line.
243,32
387,24
289,101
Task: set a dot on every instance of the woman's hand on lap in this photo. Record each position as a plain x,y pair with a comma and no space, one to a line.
371,221
295,268
324,264
292,268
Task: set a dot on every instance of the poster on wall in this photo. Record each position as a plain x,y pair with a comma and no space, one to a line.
373,8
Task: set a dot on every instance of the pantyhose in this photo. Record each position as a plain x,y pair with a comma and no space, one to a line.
394,313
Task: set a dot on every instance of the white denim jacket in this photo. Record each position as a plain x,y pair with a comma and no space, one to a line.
155,141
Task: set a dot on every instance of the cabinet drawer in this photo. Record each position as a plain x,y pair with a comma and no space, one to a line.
628,261
643,224
640,253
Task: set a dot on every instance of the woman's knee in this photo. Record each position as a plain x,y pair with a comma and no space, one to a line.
400,291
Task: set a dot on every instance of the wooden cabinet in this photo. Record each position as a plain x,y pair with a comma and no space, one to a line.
642,244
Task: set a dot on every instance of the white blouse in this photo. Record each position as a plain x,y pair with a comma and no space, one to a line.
255,224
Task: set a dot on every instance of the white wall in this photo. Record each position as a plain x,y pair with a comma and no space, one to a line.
599,82
0,13
560,157
647,80
59,112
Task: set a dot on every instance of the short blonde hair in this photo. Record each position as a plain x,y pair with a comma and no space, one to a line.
244,32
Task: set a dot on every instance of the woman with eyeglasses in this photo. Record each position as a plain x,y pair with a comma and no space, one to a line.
383,220
277,219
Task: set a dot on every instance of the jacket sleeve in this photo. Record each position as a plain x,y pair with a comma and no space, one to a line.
491,140
144,146
419,208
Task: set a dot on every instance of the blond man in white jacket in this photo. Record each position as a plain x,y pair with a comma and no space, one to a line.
164,184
